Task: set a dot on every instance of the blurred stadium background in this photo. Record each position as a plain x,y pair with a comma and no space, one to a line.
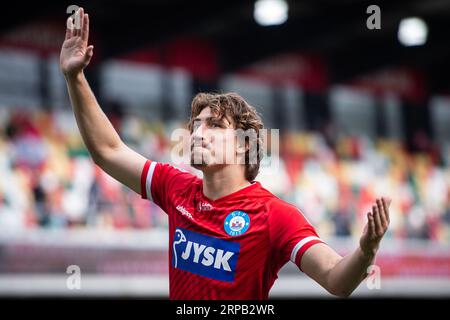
361,113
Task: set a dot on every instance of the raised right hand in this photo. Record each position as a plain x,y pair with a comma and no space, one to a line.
75,52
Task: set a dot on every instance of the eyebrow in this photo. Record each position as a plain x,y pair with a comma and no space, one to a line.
207,119
223,120
200,119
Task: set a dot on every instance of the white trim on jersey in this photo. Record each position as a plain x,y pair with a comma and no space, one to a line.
148,180
300,244
300,211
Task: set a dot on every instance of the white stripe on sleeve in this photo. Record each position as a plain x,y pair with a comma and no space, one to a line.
148,182
300,244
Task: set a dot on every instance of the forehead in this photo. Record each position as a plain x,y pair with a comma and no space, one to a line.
205,113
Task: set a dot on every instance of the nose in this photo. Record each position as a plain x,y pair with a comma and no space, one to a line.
197,140
199,128
198,134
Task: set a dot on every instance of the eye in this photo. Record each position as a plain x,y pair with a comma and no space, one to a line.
214,124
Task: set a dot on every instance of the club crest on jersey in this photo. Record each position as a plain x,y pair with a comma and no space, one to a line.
204,255
237,223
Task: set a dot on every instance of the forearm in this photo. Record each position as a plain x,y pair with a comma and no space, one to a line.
349,272
96,130
341,276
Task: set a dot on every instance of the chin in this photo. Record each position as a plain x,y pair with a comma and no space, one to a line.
204,166
198,166
201,165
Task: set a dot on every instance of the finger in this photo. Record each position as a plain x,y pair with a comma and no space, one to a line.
89,53
69,28
386,203
75,23
382,214
77,29
81,21
85,30
370,224
378,226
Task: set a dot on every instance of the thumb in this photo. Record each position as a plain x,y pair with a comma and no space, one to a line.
89,53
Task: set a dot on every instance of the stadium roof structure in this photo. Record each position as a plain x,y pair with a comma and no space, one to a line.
334,29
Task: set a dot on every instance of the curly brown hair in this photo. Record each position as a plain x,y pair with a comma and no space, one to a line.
241,115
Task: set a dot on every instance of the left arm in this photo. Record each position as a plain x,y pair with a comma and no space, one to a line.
342,275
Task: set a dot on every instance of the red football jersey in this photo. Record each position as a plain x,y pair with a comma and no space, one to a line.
229,248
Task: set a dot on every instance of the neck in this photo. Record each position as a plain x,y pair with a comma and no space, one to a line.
218,183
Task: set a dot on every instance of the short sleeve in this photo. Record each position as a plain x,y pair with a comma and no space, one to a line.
290,232
160,182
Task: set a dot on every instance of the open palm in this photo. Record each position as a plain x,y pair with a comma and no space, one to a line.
75,52
376,227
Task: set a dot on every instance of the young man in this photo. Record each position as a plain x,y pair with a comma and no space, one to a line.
229,236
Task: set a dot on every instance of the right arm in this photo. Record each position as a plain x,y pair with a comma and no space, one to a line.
101,139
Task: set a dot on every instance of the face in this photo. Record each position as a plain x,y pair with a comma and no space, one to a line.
212,141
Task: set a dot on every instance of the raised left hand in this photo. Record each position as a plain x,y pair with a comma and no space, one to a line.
376,227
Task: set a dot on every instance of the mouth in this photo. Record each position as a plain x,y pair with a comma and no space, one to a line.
204,145
199,156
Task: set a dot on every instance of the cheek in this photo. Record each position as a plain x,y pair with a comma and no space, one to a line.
223,144
229,145
217,144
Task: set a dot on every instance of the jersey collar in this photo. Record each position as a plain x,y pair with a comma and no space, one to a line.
247,189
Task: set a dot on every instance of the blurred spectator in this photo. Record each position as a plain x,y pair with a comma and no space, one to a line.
49,181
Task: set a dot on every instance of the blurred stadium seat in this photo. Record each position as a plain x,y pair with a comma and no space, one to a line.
349,133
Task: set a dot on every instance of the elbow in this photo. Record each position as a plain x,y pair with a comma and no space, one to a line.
97,160
343,294
102,156
97,157
337,290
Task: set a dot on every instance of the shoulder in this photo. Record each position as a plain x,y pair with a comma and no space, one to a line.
279,208
171,170
158,175
285,218
280,211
